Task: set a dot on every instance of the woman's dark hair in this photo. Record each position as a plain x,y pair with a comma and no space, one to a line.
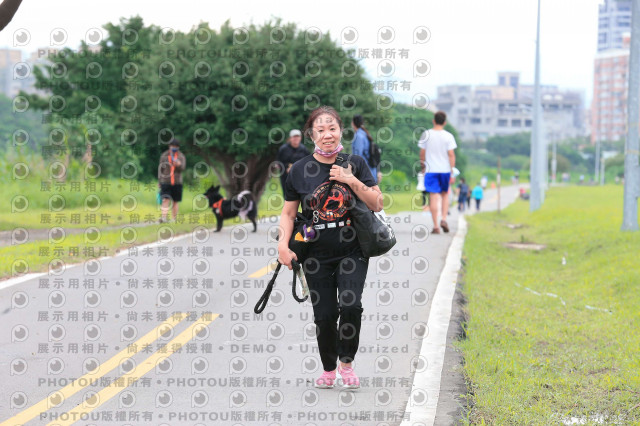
358,121
325,109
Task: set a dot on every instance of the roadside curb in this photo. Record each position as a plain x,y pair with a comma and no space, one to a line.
427,381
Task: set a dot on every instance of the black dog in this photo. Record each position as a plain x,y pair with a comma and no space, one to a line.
242,204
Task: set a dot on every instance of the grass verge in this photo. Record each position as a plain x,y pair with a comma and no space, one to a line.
110,212
547,341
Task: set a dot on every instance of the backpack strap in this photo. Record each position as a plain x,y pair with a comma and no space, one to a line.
341,161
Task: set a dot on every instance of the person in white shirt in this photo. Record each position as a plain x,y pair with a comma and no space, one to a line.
438,160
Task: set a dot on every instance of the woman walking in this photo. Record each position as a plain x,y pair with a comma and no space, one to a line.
362,142
335,264
463,193
477,194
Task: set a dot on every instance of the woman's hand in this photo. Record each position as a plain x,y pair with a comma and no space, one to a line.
285,255
342,174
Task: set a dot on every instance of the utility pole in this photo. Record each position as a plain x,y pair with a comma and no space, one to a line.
632,145
498,182
597,162
554,162
536,197
602,170
544,154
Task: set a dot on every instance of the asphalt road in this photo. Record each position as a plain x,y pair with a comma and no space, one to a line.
98,343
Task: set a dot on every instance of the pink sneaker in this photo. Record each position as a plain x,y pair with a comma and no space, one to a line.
349,378
327,380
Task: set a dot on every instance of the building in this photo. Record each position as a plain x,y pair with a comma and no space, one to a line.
614,19
16,73
609,104
506,108
9,58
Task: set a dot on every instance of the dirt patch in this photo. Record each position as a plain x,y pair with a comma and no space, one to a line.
525,246
514,225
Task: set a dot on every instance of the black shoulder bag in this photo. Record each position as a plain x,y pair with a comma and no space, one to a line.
372,228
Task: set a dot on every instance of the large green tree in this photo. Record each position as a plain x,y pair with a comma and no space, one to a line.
233,95
86,87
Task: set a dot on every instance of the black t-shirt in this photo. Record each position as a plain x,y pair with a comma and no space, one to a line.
464,190
289,155
307,182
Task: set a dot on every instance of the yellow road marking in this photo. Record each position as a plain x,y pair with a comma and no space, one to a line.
112,390
73,387
264,271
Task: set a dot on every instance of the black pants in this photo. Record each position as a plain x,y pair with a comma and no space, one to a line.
336,286
478,203
461,203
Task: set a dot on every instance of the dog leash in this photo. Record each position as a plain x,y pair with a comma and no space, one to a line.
297,271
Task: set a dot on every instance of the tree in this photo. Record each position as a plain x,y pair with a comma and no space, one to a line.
233,95
19,128
230,95
86,89
516,144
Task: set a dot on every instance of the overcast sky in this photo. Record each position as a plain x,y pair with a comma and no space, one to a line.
471,40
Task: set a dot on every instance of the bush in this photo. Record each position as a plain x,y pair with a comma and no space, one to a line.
515,162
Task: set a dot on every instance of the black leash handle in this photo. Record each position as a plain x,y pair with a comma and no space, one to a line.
264,299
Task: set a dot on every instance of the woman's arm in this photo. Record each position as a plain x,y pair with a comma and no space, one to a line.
287,217
372,196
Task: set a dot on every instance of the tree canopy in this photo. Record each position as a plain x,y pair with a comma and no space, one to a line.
230,95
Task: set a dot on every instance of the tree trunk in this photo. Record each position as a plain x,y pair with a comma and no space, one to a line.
88,154
259,175
236,177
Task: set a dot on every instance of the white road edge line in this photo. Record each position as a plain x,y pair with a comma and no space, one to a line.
435,343
17,280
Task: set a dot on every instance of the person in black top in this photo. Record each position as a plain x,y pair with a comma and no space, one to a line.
335,262
289,153
464,192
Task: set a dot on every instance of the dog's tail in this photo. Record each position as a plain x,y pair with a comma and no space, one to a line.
246,208
244,212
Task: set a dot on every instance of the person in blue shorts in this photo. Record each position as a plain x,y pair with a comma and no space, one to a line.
438,160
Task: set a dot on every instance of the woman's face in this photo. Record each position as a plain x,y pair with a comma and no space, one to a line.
326,133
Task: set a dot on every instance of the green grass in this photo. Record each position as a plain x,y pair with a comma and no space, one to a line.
103,209
529,358
73,249
110,193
